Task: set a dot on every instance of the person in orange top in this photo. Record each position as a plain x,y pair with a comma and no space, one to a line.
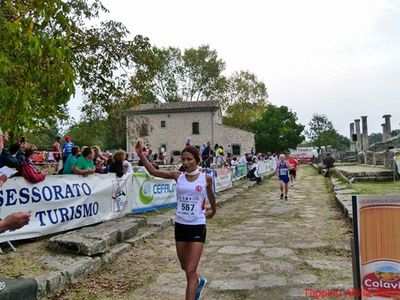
292,172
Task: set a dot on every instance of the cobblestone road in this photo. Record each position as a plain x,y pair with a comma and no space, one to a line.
261,247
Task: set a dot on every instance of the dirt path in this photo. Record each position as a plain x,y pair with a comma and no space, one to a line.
259,247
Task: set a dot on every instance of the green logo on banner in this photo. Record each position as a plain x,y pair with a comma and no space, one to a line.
145,193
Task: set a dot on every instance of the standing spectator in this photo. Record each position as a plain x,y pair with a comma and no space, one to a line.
219,158
57,153
84,164
28,170
206,156
187,142
127,165
234,166
243,159
71,161
117,164
99,159
67,148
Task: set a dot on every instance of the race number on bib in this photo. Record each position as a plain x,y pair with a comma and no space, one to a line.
188,207
283,171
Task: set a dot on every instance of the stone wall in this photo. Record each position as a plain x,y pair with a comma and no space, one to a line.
394,142
226,135
346,156
370,157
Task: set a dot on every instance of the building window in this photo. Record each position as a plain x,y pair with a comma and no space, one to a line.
235,149
195,128
163,124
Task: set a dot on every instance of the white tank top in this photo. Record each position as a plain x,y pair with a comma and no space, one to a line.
191,200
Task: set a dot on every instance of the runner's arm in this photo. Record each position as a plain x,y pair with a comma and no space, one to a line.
211,197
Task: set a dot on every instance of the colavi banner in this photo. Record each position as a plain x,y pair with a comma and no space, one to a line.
150,193
378,226
64,202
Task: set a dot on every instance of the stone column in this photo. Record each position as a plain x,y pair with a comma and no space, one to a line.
358,132
384,138
364,125
352,144
387,125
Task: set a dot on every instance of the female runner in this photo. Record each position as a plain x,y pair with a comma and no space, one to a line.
192,189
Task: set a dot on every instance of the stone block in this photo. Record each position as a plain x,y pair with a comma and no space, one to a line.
50,283
97,239
115,252
160,221
80,270
74,243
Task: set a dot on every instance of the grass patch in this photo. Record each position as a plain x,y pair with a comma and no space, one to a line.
26,261
376,188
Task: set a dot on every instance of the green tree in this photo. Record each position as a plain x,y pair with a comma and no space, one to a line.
322,133
43,138
50,47
378,137
36,72
375,138
167,75
107,133
277,130
244,100
243,115
202,79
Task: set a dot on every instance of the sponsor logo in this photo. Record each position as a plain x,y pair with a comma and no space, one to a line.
145,193
199,188
385,277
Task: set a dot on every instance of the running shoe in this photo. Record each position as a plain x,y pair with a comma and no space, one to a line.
285,197
351,180
201,285
281,196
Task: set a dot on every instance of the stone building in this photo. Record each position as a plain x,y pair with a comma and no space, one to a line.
168,125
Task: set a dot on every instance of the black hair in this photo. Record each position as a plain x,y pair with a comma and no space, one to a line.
74,150
86,151
194,151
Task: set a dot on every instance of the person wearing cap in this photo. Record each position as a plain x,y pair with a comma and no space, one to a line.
67,148
329,163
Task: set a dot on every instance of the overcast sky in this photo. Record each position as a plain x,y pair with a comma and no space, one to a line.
340,58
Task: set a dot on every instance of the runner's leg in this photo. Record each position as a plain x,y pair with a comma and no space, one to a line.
189,254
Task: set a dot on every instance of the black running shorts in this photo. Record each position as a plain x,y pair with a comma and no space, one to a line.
292,172
190,233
